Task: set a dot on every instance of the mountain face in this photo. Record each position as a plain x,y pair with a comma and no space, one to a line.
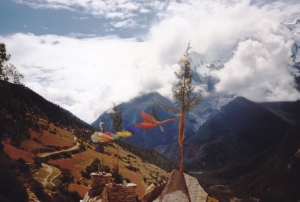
272,175
279,174
241,129
154,137
20,109
149,138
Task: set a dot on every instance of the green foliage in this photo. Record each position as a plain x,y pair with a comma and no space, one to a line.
14,176
16,117
38,189
154,113
66,196
38,161
182,92
117,119
8,72
93,167
96,161
21,108
66,176
62,155
132,168
106,169
10,186
81,147
61,190
127,180
150,155
21,164
117,176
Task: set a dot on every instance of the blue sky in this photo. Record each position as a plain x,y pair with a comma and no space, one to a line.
59,18
85,54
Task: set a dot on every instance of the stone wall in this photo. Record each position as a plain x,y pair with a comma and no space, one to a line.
118,193
99,180
103,187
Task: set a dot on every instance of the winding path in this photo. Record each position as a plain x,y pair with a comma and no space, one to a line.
49,168
64,150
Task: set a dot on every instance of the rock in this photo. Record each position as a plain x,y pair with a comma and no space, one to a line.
179,188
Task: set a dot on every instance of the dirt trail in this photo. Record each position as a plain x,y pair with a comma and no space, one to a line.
49,168
56,152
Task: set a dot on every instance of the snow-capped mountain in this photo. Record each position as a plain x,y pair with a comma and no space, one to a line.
215,58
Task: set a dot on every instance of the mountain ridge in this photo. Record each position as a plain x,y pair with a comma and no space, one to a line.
149,138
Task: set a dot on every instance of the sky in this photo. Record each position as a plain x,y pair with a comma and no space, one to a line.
85,54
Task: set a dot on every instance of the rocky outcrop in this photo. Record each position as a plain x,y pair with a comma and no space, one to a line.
180,187
99,181
103,189
119,193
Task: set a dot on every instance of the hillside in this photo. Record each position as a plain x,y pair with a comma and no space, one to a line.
153,137
241,129
20,109
55,146
279,174
235,145
272,175
78,163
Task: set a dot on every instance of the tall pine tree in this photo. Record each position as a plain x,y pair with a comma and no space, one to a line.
8,72
182,92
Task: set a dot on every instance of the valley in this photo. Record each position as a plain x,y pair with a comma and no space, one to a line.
76,161
238,152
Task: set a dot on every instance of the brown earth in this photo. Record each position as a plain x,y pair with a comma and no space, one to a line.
78,162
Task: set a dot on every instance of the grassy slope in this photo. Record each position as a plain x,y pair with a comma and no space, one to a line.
16,153
62,138
83,159
79,161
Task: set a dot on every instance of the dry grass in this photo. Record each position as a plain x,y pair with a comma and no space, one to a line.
83,159
16,153
61,138
79,161
210,199
56,172
41,174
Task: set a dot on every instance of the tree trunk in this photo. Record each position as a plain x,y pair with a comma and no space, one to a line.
180,140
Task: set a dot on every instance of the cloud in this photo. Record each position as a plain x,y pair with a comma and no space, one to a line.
116,15
144,10
135,10
260,71
129,6
80,18
124,23
85,74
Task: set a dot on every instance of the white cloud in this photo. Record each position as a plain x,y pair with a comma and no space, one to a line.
144,10
124,23
259,71
116,15
129,6
85,75
80,18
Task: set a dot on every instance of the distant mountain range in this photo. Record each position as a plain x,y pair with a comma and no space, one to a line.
150,138
241,129
20,109
241,143
238,130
